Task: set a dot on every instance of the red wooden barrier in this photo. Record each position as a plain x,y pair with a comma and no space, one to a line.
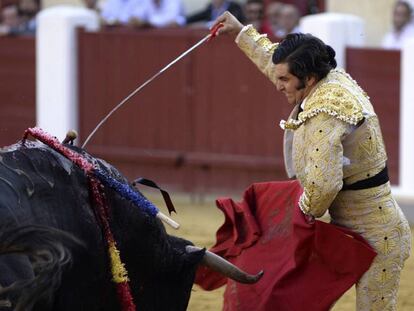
209,123
378,73
17,87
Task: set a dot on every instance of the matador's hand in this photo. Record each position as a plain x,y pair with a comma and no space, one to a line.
231,25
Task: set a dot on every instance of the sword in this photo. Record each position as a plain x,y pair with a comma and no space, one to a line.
211,35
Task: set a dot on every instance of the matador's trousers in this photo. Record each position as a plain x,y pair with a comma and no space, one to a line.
374,214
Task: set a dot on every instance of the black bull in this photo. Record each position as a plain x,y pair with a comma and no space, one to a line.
52,252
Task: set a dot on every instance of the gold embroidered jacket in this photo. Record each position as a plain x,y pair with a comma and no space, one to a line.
335,139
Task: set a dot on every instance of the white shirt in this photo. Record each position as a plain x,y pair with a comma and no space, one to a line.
168,11
394,40
119,10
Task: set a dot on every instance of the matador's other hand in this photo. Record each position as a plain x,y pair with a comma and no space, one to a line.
231,24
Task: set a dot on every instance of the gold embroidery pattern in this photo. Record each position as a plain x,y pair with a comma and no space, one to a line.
261,40
332,99
320,144
366,151
259,49
256,39
365,147
370,144
375,215
317,154
324,132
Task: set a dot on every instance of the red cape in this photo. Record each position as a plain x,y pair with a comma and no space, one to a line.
307,265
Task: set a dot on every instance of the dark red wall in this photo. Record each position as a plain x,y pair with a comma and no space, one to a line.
378,73
17,87
209,123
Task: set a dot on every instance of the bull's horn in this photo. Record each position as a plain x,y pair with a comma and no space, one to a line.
224,267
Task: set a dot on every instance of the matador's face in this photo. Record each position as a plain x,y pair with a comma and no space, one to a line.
294,89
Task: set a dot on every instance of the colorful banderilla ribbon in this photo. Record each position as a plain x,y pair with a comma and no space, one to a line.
97,179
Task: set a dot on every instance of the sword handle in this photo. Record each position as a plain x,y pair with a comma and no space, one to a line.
214,31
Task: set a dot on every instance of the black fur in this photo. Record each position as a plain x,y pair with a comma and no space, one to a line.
40,254
40,187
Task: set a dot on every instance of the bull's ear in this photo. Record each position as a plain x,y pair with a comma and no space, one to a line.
70,137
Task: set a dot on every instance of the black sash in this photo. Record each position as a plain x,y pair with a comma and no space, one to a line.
374,181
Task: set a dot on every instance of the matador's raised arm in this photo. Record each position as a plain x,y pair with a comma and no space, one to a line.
259,49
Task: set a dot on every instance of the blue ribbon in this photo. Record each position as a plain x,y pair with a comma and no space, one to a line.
127,192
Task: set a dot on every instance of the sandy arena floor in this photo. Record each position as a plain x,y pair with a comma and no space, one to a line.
199,223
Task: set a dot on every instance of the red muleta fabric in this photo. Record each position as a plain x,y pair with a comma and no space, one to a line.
307,265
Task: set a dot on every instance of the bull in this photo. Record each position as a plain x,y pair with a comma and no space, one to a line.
53,255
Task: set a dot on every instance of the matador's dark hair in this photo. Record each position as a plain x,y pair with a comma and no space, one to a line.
305,55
